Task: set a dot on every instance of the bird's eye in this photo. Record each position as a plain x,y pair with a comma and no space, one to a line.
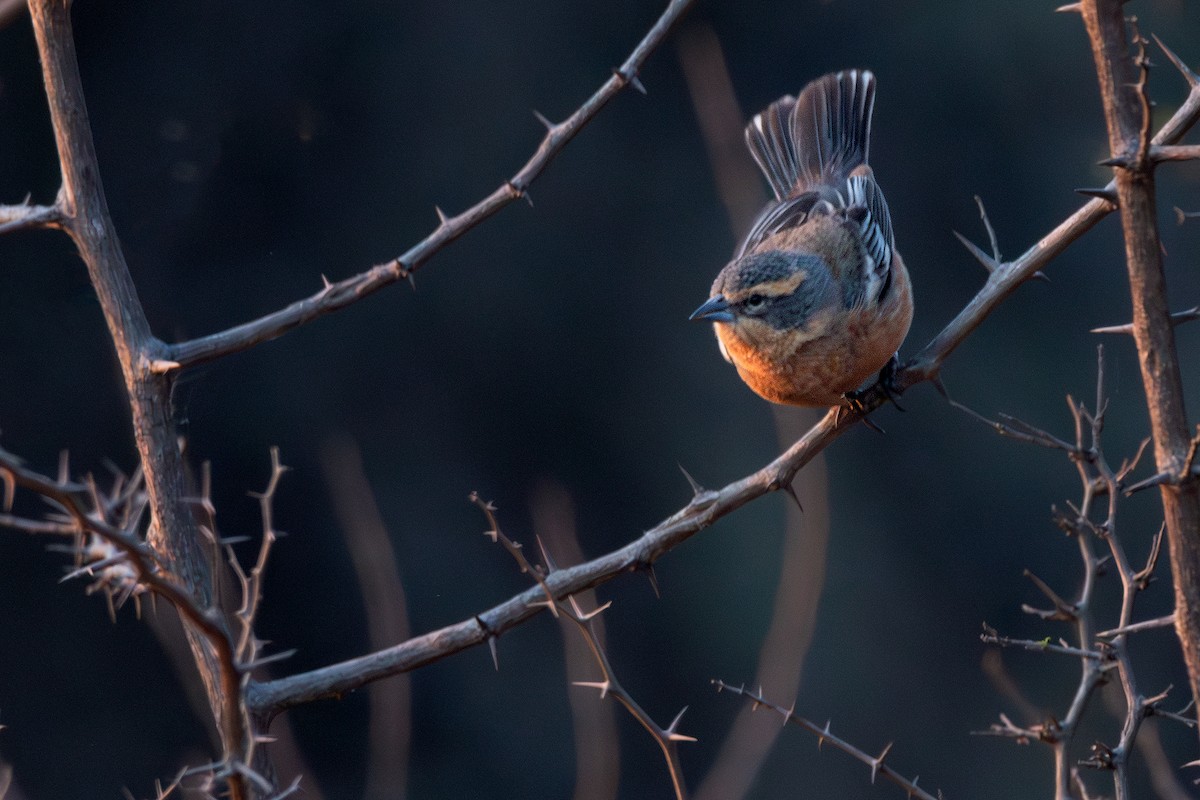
755,303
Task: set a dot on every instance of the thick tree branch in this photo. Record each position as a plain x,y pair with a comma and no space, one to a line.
1127,113
706,506
85,217
335,296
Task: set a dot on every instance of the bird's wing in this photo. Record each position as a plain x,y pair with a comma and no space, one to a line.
866,207
777,217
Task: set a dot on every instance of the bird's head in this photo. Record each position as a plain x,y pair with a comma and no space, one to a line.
764,294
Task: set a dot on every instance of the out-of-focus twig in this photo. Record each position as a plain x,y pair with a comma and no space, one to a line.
597,750
385,607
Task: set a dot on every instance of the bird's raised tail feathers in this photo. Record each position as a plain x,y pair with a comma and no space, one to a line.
817,138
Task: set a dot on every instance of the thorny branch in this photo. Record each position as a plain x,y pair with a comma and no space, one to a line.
877,763
144,357
175,542
706,506
667,738
335,296
1094,518
123,564
1123,79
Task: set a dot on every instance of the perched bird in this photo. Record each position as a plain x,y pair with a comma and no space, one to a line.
816,298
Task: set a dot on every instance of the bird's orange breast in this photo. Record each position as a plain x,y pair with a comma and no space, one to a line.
834,353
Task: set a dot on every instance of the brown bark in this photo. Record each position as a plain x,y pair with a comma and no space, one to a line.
1126,113
86,219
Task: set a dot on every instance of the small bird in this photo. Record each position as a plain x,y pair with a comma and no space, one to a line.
816,298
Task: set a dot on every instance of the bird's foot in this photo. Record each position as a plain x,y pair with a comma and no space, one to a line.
887,381
857,400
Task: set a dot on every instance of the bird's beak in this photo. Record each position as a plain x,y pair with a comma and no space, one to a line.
715,309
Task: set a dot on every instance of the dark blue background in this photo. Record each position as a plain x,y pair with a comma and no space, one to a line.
249,148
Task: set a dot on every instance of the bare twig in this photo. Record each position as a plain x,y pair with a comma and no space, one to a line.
335,296
1099,653
173,532
146,566
667,738
990,636
515,550
1138,627
802,566
877,763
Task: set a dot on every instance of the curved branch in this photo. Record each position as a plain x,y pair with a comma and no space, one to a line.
335,296
707,506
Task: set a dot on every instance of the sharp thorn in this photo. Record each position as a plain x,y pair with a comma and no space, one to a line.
545,122
870,424
441,215
1076,7
603,686
1187,73
989,263
653,581
632,80
550,565
1153,480
1126,328
697,489
495,652
675,722
791,492
594,612
1104,193
1041,276
878,762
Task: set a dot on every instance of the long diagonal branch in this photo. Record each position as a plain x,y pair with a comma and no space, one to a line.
335,296
706,506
